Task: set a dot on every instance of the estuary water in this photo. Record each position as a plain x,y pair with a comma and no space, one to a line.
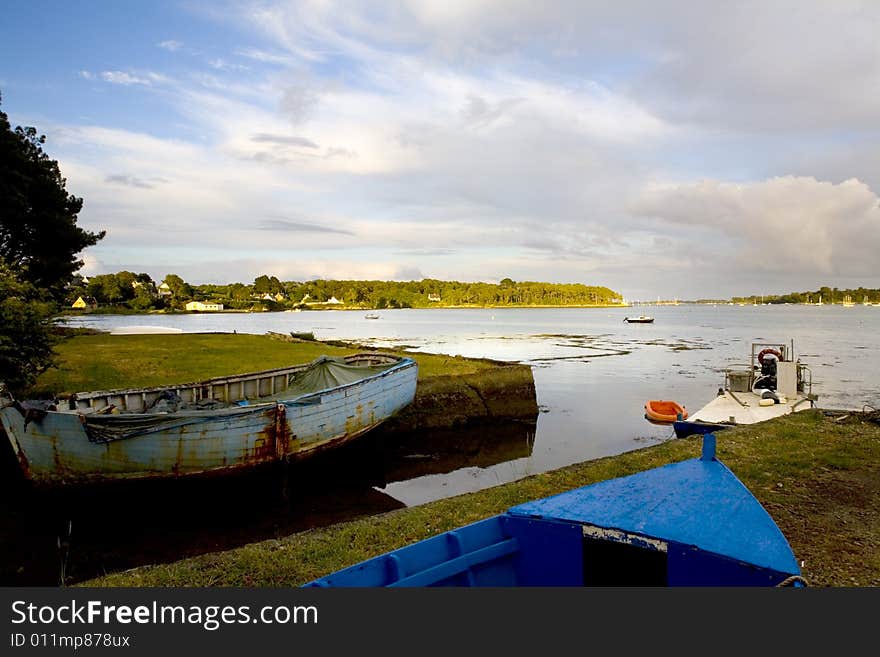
593,372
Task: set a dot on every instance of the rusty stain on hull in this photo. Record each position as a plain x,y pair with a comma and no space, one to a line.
23,462
274,440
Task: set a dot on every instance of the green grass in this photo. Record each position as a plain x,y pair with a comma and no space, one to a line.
103,361
819,479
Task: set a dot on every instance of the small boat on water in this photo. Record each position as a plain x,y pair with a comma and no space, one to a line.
371,316
641,319
660,410
691,523
774,383
218,425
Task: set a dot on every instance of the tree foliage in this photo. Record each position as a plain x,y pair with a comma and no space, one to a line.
26,337
180,289
124,287
427,293
39,237
825,294
39,247
264,284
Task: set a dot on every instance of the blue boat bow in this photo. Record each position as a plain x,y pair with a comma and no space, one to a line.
691,523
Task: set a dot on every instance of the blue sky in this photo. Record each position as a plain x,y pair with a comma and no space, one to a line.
679,149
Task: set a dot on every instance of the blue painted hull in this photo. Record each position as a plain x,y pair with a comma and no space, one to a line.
74,446
685,524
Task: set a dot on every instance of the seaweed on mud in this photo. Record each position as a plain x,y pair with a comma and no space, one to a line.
570,335
585,358
679,345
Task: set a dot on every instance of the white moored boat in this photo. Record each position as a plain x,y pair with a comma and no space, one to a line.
773,384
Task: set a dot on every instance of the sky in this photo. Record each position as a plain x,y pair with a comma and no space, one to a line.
663,149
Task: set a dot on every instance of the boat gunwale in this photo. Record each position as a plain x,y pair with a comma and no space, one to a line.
400,364
263,402
396,362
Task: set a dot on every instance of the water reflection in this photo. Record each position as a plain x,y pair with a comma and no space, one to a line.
444,451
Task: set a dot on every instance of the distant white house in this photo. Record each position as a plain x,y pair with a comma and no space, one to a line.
81,302
268,296
203,306
332,301
164,290
433,297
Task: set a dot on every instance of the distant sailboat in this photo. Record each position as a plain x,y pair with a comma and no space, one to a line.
848,302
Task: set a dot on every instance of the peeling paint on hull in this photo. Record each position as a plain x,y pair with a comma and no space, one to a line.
57,448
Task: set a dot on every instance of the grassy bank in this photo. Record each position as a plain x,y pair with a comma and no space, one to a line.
818,477
104,361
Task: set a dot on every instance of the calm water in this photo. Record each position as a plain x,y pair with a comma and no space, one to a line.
593,372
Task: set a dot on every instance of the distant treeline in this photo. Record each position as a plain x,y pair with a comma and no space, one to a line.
824,294
127,290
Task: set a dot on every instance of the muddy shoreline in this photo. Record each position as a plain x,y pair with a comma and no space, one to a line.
505,392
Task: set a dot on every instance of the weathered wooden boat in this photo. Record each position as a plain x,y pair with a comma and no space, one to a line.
217,425
691,523
662,410
641,319
774,383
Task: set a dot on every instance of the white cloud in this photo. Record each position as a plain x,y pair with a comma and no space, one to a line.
787,224
171,45
264,56
92,265
124,78
221,64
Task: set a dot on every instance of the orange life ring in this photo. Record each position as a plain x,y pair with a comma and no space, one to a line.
764,352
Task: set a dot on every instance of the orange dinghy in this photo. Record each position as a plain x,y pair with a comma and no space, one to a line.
664,411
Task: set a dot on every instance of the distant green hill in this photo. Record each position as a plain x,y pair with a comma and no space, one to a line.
126,290
825,294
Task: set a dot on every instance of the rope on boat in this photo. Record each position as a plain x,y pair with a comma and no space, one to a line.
791,581
737,399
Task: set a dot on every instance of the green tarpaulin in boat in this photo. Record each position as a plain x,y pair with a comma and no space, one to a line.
327,372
